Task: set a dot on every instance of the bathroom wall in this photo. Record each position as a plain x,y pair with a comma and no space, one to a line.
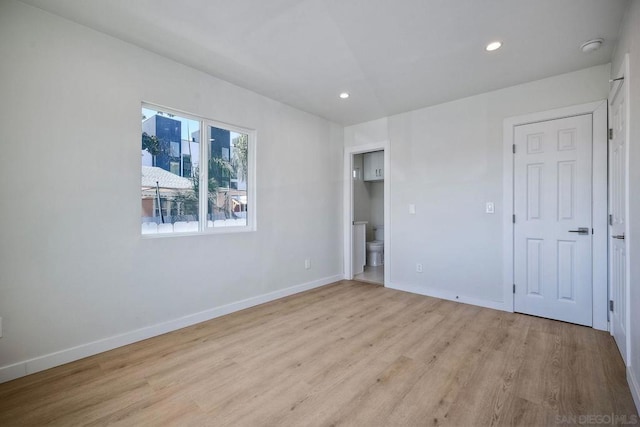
361,199
376,208
368,198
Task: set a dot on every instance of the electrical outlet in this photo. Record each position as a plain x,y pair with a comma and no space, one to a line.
419,268
307,263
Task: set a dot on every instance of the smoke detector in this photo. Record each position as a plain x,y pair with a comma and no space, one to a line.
591,45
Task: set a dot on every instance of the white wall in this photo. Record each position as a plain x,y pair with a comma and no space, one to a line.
368,199
373,132
361,200
376,192
630,43
447,160
73,267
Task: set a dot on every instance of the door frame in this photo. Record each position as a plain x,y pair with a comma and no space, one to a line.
347,204
598,110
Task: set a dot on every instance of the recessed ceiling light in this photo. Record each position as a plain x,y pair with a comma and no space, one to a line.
344,95
591,45
493,46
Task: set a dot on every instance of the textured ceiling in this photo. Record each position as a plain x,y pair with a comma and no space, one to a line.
391,55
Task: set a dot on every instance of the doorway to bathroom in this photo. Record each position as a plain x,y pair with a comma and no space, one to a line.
366,214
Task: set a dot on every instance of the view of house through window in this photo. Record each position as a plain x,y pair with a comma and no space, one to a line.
177,173
227,175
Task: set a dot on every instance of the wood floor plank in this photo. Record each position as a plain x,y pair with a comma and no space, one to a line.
349,353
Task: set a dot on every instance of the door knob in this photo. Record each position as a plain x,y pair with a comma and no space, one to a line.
580,230
619,236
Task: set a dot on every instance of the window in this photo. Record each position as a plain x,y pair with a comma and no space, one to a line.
188,186
186,165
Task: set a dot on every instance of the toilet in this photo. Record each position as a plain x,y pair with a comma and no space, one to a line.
375,248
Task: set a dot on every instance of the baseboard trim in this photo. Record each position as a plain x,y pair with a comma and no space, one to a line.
21,369
451,296
633,379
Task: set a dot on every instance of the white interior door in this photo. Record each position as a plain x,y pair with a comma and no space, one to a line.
553,219
617,223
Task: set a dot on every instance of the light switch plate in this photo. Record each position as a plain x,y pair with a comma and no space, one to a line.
490,208
412,209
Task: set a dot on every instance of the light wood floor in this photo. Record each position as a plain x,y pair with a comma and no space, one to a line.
345,354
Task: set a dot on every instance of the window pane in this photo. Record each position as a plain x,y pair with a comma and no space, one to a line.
228,170
169,185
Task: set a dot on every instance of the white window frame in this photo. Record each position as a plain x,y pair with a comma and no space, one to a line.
205,123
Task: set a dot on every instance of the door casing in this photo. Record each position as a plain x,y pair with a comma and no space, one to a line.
598,110
348,219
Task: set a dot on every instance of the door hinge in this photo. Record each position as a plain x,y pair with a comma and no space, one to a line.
514,148
514,218
610,219
610,133
610,305
514,288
